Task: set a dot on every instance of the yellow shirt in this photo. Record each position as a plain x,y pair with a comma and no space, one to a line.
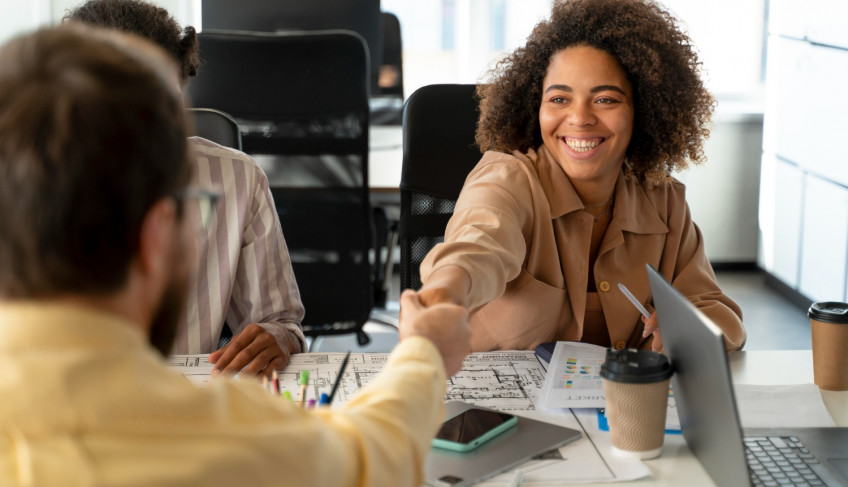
519,232
85,401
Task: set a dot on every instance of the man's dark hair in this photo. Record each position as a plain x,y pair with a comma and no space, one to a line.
145,20
92,134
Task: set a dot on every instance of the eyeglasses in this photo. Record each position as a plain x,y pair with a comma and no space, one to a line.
207,201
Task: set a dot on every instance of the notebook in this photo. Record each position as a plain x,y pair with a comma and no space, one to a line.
709,417
529,438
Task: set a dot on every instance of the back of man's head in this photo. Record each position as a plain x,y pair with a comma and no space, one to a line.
92,134
145,20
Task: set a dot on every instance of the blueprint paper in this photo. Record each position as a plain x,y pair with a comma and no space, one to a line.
507,381
195,367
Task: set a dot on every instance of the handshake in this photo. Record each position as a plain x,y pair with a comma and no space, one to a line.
444,324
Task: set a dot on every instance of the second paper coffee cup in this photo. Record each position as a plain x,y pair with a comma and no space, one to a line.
829,327
636,391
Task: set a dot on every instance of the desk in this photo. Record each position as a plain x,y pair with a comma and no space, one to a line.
786,367
385,158
677,466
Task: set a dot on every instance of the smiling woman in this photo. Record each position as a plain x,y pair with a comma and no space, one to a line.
586,119
580,129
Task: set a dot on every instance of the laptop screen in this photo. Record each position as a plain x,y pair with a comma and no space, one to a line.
702,387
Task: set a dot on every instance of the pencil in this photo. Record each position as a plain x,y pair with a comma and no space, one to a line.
304,382
338,379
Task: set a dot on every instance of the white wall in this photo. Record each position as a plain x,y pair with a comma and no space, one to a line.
723,193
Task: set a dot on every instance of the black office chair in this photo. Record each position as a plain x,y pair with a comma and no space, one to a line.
439,123
360,16
301,102
392,53
387,92
216,126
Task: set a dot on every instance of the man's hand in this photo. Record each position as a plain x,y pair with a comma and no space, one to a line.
254,350
652,326
446,325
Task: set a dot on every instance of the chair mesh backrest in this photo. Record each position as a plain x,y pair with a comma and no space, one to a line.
303,116
424,226
439,123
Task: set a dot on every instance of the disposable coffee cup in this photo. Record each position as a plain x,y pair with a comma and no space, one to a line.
636,390
829,327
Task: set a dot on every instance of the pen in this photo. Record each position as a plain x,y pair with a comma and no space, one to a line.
632,299
338,378
304,382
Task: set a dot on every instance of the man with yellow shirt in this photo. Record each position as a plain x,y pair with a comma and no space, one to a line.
97,227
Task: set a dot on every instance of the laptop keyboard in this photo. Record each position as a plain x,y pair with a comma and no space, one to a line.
780,460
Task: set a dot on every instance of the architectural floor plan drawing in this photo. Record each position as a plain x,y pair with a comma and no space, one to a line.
196,367
509,381
505,381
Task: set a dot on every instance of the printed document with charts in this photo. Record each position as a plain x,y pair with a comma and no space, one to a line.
573,380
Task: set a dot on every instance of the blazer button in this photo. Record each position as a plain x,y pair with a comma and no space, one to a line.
619,345
603,286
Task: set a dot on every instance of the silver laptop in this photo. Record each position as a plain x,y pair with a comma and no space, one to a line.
708,415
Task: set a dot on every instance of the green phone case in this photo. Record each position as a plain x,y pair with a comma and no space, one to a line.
466,447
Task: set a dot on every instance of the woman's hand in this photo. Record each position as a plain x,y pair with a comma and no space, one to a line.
446,325
447,285
652,327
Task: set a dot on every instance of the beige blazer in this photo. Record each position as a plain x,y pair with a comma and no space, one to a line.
519,232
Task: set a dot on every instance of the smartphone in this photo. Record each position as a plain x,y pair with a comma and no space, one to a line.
471,428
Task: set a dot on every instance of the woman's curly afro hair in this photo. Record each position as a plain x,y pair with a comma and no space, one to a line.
672,108
144,20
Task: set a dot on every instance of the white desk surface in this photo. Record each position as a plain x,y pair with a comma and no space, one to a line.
385,157
678,467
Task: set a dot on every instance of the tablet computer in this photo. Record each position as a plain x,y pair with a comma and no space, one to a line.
508,450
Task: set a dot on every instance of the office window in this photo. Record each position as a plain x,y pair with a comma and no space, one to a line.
17,16
498,21
448,24
458,41
730,37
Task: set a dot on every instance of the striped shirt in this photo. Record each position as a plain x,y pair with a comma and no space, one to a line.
244,274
